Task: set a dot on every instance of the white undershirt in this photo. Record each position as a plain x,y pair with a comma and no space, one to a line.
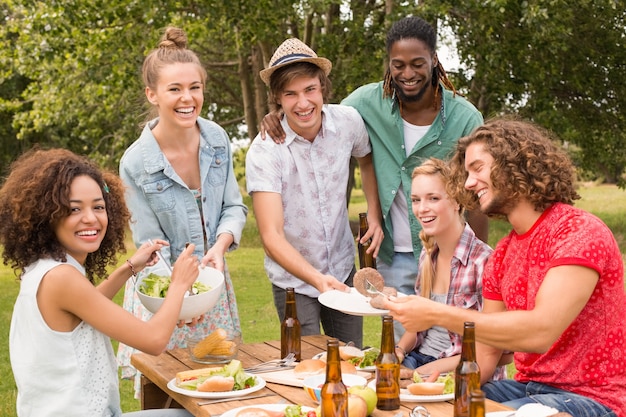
399,210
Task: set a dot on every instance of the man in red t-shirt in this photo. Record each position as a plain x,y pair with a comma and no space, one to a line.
554,287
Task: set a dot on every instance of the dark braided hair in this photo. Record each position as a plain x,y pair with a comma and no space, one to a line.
413,27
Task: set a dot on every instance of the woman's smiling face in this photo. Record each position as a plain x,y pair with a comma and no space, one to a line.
83,230
179,94
431,205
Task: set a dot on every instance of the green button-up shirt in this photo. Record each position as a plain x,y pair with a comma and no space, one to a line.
457,118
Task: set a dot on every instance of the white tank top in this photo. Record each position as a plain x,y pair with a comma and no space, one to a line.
399,210
59,373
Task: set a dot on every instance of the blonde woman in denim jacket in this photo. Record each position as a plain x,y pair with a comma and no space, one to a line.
181,184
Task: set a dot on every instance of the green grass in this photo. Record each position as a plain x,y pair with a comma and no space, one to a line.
256,309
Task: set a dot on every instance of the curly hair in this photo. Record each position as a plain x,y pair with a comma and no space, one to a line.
527,165
283,76
35,198
431,167
413,27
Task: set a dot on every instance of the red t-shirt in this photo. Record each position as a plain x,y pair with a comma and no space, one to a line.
589,358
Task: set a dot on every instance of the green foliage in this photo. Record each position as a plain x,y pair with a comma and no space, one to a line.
557,62
70,69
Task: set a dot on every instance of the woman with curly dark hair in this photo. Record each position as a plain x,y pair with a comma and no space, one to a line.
553,289
62,222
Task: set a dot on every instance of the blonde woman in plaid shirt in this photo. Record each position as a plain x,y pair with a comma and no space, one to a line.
451,266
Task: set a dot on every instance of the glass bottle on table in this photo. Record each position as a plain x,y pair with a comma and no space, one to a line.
477,404
387,370
334,394
290,327
366,260
467,372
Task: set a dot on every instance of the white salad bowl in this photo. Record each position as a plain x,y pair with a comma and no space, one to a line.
193,305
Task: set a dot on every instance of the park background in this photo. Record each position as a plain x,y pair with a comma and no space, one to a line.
70,77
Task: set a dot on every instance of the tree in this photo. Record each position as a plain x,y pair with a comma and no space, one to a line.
557,62
70,68
78,61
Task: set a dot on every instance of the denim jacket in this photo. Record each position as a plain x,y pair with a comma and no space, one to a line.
162,205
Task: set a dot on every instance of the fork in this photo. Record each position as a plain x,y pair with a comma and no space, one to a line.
371,289
275,364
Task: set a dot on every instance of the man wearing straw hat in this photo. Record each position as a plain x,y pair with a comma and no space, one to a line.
299,188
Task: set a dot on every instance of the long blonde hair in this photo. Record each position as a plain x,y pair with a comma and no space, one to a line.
431,166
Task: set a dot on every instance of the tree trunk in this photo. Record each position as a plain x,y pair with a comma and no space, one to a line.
247,95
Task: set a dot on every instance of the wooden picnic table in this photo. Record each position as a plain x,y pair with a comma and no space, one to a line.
157,371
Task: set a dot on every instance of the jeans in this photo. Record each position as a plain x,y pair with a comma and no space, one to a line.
401,275
345,327
515,394
414,359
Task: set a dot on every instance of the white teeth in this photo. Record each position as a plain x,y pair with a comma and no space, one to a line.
410,83
427,219
186,110
305,114
87,233
481,193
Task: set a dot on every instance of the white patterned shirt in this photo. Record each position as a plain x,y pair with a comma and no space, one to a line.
312,179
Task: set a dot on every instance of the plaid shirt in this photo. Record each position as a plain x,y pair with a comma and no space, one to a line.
466,284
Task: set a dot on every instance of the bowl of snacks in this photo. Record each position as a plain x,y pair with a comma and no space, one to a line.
219,346
313,384
152,287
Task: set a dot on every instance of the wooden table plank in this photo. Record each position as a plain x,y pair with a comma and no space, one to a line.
159,370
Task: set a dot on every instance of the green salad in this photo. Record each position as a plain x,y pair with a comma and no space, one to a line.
368,359
156,285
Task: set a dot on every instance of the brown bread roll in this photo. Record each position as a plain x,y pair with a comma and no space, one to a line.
217,383
426,388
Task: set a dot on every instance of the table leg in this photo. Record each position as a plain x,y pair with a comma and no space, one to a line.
153,397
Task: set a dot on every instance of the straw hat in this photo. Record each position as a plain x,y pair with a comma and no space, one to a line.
291,51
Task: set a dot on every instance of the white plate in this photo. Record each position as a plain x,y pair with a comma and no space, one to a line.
500,413
260,383
268,407
371,368
405,396
353,303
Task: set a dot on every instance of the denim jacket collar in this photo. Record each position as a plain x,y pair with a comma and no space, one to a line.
155,161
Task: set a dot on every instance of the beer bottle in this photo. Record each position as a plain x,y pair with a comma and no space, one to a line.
290,327
365,259
387,370
477,404
467,373
334,394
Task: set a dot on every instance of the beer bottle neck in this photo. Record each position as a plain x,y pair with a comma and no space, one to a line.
333,364
468,348
387,342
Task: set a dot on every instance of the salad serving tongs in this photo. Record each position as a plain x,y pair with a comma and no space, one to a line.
169,267
274,365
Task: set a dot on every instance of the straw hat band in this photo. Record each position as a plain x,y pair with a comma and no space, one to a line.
292,57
